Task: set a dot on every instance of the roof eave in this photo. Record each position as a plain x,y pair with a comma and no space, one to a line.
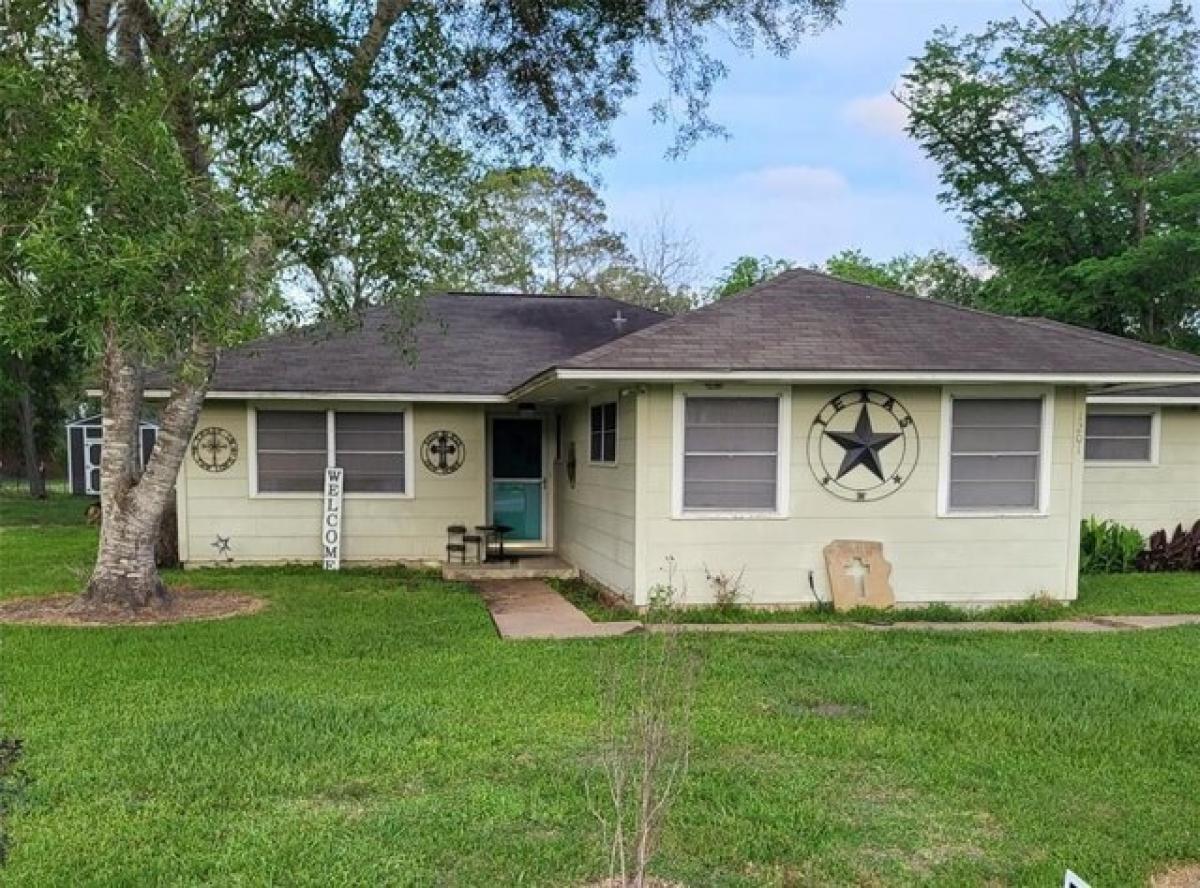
921,376
158,394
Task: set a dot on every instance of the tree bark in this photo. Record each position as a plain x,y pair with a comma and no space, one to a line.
132,501
27,418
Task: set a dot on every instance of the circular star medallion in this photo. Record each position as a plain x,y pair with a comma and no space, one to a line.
443,452
863,445
214,449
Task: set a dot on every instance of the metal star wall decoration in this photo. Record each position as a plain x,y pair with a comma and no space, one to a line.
862,446
222,545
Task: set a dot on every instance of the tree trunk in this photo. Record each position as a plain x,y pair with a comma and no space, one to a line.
125,576
28,418
133,502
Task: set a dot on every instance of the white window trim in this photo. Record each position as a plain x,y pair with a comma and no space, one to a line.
1155,414
782,464
600,463
330,450
1045,457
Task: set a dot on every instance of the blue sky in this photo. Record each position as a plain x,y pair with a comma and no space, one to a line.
816,160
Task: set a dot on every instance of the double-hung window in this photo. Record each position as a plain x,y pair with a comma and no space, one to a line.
604,433
731,458
995,455
370,448
1120,436
294,447
292,450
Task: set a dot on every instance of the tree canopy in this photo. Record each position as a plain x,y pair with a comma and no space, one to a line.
744,272
1071,147
936,275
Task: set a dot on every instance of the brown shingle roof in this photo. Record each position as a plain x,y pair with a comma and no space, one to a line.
466,344
1160,392
806,321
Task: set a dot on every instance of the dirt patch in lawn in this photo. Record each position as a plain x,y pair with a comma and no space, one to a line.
1181,876
186,605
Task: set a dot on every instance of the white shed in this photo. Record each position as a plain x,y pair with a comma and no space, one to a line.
83,452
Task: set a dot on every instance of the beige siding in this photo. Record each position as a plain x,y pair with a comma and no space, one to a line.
1150,497
596,516
975,560
285,528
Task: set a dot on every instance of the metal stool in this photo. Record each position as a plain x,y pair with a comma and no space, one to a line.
456,542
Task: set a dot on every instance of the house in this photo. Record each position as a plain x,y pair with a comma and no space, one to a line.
1142,457
83,452
739,440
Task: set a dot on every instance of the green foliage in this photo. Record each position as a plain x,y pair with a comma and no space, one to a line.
546,231
543,231
746,271
937,275
1108,547
1070,148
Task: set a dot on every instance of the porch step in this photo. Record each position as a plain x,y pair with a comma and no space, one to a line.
534,567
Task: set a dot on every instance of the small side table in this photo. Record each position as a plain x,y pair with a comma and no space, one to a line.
494,534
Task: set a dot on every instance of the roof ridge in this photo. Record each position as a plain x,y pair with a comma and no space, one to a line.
670,321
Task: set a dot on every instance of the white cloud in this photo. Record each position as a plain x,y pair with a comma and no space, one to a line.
879,114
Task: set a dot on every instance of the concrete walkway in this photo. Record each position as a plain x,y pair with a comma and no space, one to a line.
531,609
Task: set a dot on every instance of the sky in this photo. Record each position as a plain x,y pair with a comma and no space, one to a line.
816,160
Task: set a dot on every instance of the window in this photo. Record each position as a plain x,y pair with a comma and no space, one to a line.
995,455
370,447
1119,437
604,433
730,454
291,450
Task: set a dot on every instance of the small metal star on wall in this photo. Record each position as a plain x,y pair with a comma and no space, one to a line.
222,545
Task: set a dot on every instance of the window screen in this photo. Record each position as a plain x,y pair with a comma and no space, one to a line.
1118,437
370,448
995,454
730,454
604,433
291,450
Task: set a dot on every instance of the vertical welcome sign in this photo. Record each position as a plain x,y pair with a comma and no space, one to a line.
331,520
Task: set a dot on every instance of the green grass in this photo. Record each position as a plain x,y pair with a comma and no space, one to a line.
58,509
1164,593
370,728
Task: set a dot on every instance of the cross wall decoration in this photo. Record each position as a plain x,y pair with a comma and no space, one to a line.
443,452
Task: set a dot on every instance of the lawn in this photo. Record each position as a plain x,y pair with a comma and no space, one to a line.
370,728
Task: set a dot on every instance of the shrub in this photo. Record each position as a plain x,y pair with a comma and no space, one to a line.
1180,552
1109,547
726,588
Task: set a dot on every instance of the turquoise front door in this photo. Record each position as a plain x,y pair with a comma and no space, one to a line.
517,476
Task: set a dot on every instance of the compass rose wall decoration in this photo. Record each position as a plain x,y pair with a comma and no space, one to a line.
214,449
863,445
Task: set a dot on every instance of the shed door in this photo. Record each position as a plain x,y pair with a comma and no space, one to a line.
91,459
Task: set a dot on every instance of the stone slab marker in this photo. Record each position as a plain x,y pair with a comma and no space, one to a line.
859,575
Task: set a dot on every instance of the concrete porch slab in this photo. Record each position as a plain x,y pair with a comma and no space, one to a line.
530,567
